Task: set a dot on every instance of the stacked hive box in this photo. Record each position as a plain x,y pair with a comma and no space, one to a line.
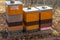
45,17
31,18
14,15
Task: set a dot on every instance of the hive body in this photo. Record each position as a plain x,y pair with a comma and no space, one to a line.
14,8
47,14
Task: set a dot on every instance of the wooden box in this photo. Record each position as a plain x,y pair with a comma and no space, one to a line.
31,18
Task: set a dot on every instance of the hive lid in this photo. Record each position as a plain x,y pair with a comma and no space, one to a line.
42,8
30,10
15,2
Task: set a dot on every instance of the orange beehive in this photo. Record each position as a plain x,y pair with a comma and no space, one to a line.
14,15
45,17
14,8
31,17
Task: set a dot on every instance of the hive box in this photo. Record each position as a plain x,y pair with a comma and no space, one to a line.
45,17
14,18
14,8
31,18
46,12
15,26
46,21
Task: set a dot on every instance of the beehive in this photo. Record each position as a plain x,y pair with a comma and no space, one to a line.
14,8
14,15
45,16
31,17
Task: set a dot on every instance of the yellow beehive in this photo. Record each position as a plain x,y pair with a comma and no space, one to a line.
45,17
14,8
31,17
45,12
